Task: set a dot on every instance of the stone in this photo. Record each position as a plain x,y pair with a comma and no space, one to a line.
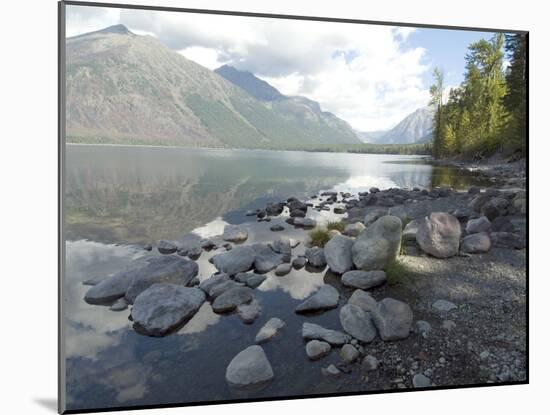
189,245
208,244
161,269
252,280
520,205
338,254
331,370
357,323
231,299
316,257
297,213
393,319
305,222
370,362
299,262
325,298
443,306
374,190
409,233
502,224
276,228
421,381
239,259
497,206
207,284
476,243
363,300
166,247
439,235
282,246
274,209
266,258
339,210
234,233
378,245
477,202
283,269
354,229
316,349
109,289
349,353
373,215
249,312
119,305
312,331
423,327
162,307
249,367
508,240
269,330
364,279
218,289
481,224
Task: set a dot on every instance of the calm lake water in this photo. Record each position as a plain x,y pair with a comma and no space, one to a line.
119,197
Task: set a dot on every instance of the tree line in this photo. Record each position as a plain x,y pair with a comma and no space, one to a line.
488,111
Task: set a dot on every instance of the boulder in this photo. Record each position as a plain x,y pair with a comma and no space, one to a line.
231,299
239,259
338,254
312,331
481,224
354,229
234,233
357,323
276,228
316,257
439,235
161,269
109,289
373,215
266,258
497,206
218,289
508,240
299,262
477,202
316,349
305,222
283,269
476,243
378,245
349,353
370,362
502,224
325,298
363,300
163,307
249,367
207,284
393,319
249,312
189,245
269,330
252,280
166,247
282,246
364,279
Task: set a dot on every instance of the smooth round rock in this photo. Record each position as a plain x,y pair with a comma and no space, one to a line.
249,367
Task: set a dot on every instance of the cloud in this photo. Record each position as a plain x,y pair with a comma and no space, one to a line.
365,74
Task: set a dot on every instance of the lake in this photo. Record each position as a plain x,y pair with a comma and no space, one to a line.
119,197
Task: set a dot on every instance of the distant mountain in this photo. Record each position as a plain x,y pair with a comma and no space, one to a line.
414,128
370,136
125,88
301,110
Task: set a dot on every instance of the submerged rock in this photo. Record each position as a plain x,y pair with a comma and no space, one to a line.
312,331
439,235
269,330
357,323
393,319
364,279
378,245
249,367
239,259
249,312
163,307
231,299
338,254
316,349
324,299
234,233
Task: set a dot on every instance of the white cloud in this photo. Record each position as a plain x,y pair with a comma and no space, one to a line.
363,73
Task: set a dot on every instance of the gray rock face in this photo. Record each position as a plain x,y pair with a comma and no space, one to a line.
443,305
409,233
421,381
232,298
249,312
481,224
266,258
166,247
269,330
324,299
249,367
349,353
363,300
373,215
439,235
299,262
378,245
283,269
316,349
162,269
109,289
163,307
354,229
357,323
338,254
476,243
312,331
239,259
234,233
364,279
316,257
393,319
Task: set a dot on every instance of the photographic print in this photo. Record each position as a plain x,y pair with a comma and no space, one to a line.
264,207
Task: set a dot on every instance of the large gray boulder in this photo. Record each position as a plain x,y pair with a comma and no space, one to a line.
161,269
476,243
393,319
239,259
363,300
110,289
324,299
266,258
357,323
231,299
316,257
312,331
354,229
163,307
249,367
378,245
234,233
316,349
439,235
338,254
364,279
373,215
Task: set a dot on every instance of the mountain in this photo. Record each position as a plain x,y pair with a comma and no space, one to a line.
301,110
370,136
414,128
126,88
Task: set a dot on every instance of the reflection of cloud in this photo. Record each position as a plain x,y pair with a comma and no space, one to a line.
212,228
298,284
201,320
361,183
129,380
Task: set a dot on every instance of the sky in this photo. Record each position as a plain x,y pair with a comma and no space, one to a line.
372,76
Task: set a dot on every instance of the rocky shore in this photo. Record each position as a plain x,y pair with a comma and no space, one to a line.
430,285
